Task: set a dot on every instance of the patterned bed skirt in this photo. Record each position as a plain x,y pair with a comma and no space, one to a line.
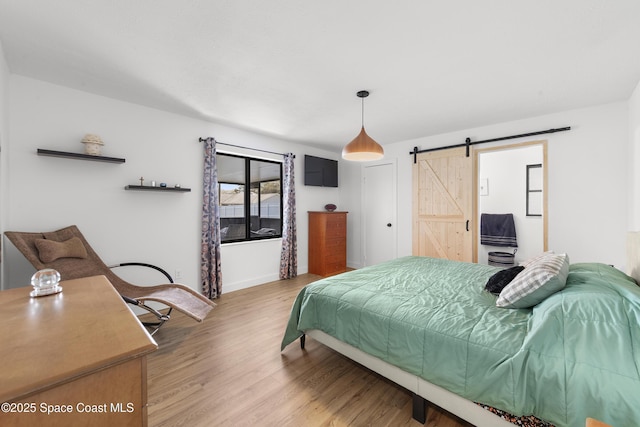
524,421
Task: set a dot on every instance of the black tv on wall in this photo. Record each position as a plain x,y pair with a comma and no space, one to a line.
320,172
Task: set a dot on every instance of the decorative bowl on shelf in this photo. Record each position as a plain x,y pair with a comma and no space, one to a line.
330,207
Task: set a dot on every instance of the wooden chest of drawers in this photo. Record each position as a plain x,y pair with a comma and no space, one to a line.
327,243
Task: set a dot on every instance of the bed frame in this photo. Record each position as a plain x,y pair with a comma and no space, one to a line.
421,390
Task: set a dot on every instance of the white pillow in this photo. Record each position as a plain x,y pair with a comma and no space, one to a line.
538,280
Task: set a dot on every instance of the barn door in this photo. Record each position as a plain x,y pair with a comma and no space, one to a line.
442,205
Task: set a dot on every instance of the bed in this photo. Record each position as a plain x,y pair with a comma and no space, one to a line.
429,325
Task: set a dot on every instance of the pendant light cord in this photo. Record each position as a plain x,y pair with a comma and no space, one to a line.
362,95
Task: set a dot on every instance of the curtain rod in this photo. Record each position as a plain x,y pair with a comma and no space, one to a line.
246,148
468,142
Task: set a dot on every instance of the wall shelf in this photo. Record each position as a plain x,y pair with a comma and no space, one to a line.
150,188
79,156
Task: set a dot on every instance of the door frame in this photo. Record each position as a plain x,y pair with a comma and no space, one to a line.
394,197
476,177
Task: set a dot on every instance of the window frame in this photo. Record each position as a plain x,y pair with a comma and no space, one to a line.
530,211
247,197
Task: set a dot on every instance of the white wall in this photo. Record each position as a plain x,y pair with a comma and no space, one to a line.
634,160
587,178
46,193
589,191
351,200
4,136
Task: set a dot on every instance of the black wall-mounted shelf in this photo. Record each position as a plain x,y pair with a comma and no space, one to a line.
150,188
79,156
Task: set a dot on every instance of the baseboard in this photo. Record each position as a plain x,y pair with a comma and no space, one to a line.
255,281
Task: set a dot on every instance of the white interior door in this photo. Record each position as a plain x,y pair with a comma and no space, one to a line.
379,213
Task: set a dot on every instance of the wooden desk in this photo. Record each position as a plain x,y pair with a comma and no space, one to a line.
79,355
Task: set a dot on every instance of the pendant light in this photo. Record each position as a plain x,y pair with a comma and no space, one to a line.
363,148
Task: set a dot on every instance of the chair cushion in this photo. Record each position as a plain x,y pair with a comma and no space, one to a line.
50,250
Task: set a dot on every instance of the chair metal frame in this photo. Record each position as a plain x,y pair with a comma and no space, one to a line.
162,317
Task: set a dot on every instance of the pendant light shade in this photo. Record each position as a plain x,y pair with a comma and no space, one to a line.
363,148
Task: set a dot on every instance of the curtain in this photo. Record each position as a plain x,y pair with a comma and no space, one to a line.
210,271
289,253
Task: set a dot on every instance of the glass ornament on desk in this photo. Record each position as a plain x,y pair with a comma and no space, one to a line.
45,282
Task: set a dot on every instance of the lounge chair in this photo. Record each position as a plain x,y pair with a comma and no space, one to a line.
67,251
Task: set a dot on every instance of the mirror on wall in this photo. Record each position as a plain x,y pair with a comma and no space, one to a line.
512,180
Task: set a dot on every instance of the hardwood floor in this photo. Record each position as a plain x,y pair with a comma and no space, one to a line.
229,371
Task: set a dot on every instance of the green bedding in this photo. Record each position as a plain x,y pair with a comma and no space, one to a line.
576,354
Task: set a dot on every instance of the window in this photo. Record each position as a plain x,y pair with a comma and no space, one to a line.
250,214
534,190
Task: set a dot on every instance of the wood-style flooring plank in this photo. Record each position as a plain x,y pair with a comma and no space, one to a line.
229,371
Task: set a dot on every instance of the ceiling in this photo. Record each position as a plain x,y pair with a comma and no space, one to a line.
291,69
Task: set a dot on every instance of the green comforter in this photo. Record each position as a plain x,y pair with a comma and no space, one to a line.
576,354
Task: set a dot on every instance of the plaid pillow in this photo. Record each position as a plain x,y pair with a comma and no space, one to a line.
538,257
536,282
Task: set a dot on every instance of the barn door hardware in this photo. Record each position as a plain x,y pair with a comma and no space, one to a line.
468,142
